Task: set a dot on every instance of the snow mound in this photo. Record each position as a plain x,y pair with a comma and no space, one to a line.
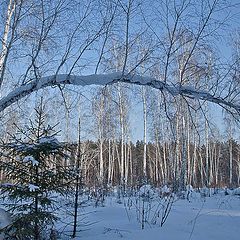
32,187
236,191
48,140
5,220
165,189
189,188
30,159
146,191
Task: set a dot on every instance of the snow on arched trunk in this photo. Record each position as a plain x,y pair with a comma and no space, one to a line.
104,79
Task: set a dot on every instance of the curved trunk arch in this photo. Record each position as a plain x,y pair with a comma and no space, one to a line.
105,79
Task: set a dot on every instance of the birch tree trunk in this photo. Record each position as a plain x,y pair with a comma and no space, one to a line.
4,42
144,133
121,119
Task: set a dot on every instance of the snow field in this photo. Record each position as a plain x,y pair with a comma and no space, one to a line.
211,218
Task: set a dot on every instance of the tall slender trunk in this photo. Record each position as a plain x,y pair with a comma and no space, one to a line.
207,154
230,162
109,162
144,133
121,116
5,44
126,165
77,182
183,157
36,200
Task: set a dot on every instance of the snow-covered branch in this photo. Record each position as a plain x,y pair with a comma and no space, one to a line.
104,79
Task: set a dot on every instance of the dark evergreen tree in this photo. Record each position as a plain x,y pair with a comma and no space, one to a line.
36,174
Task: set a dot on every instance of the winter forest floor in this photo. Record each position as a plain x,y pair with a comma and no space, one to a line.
211,218
195,217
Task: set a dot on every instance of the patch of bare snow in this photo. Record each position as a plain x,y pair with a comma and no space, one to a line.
30,159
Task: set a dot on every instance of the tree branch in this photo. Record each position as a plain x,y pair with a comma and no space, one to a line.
104,79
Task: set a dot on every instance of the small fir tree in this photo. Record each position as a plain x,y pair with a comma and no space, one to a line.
35,174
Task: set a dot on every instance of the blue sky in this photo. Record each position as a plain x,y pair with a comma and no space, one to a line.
224,50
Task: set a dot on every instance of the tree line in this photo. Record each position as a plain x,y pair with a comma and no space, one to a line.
207,166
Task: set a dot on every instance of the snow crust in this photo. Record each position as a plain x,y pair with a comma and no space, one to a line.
211,218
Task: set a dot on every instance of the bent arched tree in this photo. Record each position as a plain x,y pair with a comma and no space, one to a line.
105,79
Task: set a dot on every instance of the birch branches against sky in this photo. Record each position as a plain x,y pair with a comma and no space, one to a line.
171,45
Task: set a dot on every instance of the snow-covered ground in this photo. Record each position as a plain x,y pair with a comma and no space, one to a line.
211,218
4,220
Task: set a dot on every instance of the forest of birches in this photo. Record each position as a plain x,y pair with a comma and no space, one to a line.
41,160
175,152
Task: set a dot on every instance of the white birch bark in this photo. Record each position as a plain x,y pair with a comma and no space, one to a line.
144,133
4,41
